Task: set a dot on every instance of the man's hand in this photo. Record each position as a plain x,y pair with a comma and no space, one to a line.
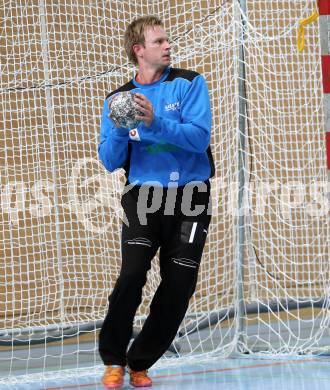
145,106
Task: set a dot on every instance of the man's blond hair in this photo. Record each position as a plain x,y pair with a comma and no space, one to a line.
134,34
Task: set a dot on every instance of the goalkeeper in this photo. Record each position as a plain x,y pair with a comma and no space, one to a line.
168,163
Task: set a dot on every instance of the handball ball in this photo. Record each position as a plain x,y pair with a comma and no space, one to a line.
123,110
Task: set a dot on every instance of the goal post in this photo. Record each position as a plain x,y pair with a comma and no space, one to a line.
264,279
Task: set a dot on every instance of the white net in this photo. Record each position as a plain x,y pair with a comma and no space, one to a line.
60,210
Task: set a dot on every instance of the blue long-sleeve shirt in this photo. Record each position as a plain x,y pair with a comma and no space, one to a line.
176,141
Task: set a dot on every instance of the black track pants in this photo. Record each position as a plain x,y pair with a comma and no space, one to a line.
181,240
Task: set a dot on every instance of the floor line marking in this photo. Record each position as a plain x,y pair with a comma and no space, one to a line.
277,363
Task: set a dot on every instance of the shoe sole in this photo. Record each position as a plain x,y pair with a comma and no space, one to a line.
146,385
113,386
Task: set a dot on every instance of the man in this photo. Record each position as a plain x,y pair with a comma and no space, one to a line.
170,149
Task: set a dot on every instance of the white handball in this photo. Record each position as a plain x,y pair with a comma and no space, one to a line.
123,110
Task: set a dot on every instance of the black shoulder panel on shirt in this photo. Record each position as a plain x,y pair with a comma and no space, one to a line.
126,87
183,73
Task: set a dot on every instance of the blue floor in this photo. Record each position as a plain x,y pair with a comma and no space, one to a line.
309,374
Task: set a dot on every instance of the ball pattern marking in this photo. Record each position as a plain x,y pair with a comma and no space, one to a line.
123,110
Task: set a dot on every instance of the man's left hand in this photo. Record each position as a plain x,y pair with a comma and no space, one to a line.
145,106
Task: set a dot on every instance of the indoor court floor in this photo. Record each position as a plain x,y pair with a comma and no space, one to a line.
58,366
238,374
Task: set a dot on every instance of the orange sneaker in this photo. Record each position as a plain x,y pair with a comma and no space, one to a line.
139,378
113,377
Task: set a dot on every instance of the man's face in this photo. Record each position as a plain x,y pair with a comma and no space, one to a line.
156,50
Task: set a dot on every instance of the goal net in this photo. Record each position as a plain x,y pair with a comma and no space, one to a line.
264,281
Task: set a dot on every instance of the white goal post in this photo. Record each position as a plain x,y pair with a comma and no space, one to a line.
264,279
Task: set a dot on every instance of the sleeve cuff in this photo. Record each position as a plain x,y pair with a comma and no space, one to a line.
155,125
120,133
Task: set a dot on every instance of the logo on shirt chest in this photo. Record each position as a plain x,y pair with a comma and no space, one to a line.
172,106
